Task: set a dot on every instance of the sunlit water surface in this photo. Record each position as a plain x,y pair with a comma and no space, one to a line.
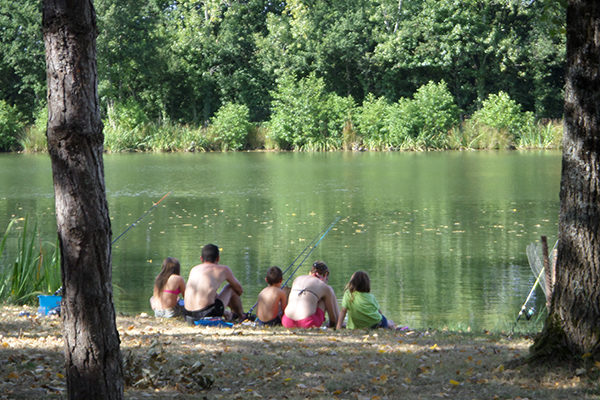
442,235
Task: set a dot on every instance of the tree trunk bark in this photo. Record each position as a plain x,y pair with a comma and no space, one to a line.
572,328
75,142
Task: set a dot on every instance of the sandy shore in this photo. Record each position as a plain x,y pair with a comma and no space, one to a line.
168,359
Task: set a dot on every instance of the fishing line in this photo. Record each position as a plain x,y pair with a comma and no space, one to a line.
321,235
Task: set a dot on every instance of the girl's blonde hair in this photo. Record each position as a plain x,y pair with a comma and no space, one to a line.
359,282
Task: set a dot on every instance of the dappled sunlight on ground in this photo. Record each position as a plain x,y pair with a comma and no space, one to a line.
169,359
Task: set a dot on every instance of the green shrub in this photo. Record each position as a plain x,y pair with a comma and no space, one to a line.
433,113
399,121
372,121
126,127
230,126
34,138
424,121
306,117
11,127
502,113
337,112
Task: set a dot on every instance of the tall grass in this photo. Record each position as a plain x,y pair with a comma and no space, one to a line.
35,269
34,136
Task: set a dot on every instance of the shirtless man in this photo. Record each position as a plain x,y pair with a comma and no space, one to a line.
201,298
310,297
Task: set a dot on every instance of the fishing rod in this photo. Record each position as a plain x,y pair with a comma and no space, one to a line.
311,250
321,235
60,289
140,218
302,252
524,306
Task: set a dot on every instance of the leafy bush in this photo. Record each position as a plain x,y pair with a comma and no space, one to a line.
126,127
372,122
230,126
424,121
500,112
11,126
400,124
434,112
34,139
306,117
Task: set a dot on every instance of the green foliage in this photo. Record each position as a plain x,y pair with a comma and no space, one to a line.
11,126
371,120
434,112
542,136
230,126
126,127
424,121
34,139
22,61
306,117
502,113
167,68
35,270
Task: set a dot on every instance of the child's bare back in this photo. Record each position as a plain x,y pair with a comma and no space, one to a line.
271,303
272,300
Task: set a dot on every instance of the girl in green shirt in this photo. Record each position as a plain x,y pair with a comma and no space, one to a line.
361,306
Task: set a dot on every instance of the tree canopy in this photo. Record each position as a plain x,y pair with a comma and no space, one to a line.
181,60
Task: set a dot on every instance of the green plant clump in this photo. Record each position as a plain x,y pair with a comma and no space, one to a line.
230,127
11,127
35,269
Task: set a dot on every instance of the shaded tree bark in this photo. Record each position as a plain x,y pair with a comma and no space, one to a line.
572,328
75,142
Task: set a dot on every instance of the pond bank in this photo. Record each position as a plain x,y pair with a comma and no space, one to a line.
246,362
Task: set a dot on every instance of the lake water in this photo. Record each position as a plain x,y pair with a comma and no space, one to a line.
441,234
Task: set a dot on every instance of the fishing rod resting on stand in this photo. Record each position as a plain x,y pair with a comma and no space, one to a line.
148,211
314,243
524,311
544,269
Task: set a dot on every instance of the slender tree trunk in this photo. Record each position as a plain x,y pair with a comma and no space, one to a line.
573,325
75,142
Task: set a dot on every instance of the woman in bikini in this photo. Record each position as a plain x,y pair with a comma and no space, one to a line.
167,287
309,298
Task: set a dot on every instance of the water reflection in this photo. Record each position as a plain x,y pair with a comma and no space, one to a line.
442,235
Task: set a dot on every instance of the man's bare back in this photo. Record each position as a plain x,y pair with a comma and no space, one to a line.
204,282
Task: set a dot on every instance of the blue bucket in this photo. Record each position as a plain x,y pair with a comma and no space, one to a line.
49,304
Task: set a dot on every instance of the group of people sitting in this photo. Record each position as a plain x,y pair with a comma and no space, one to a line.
302,306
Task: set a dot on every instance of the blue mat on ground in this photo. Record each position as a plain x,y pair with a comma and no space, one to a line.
213,321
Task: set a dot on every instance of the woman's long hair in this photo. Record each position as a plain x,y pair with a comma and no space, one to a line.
359,282
170,266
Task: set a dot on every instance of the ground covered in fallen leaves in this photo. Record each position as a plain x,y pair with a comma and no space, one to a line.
167,359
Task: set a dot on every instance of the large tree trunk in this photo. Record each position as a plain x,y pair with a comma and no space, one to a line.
573,325
75,142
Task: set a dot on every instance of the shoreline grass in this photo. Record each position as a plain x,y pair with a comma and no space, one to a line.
171,137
